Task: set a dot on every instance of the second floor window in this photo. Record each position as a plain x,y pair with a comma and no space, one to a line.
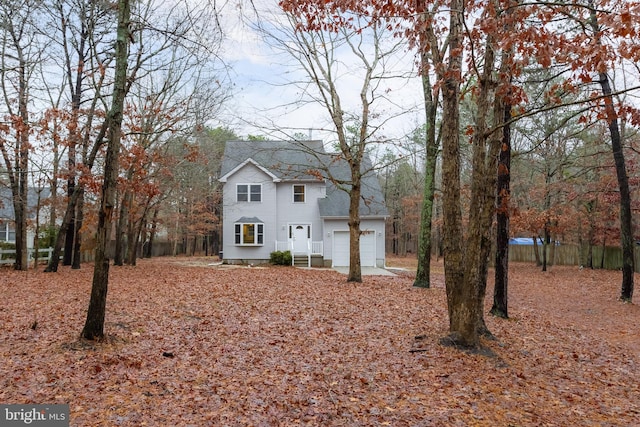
249,193
298,193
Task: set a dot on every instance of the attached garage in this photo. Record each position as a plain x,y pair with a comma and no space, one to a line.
340,249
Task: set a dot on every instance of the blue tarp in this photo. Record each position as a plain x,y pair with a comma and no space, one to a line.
523,241
527,241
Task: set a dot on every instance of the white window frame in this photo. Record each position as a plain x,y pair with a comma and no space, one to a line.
239,233
7,232
304,193
249,194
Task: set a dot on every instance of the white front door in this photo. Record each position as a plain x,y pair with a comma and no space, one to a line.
300,237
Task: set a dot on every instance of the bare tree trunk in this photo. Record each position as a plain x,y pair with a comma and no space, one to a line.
54,261
77,247
152,234
94,325
355,269
70,236
536,250
503,111
626,229
544,247
486,147
123,218
461,320
466,295
20,203
500,290
423,273
136,233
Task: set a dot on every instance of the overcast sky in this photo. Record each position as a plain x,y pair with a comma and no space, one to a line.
263,100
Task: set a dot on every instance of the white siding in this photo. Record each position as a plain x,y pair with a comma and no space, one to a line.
265,210
299,213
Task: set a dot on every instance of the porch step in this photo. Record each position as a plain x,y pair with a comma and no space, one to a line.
300,261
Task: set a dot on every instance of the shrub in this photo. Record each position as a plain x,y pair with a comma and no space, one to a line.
280,258
7,245
47,238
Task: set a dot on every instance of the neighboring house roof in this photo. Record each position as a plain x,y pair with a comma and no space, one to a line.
299,161
6,202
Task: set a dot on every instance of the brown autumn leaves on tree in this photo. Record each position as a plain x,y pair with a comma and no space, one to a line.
486,45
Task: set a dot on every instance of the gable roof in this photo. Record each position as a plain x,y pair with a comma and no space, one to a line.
280,159
243,164
307,160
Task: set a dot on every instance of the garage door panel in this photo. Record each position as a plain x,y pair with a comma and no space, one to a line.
341,249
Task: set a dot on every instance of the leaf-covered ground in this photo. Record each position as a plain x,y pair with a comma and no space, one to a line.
192,344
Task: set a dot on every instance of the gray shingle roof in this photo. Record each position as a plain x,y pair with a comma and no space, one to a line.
246,219
286,160
6,202
290,161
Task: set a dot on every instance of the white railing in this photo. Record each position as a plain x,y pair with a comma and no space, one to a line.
314,248
283,246
44,254
317,248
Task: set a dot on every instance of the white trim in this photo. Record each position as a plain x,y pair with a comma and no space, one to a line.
249,193
226,176
293,193
256,233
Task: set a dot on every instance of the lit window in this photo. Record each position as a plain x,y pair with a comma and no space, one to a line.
249,193
298,193
249,234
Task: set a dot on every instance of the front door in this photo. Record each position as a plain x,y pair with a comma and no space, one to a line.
300,234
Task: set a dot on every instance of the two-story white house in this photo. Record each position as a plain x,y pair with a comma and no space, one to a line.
284,196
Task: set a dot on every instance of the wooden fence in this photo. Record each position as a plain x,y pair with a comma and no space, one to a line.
608,258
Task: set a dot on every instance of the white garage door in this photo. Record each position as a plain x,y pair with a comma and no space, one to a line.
341,249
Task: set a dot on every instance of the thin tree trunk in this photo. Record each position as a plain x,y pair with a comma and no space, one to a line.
134,233
500,290
626,229
123,218
22,162
423,273
152,234
54,261
94,324
79,220
355,268
70,235
536,250
544,247
503,110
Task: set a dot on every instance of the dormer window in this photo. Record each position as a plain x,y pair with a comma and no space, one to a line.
249,192
299,193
